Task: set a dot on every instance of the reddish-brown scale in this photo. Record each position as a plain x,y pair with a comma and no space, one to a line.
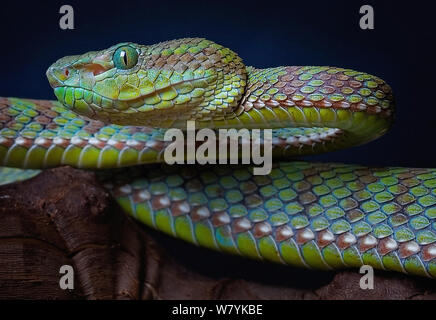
97,143
156,145
81,143
345,240
283,233
429,252
304,103
43,120
93,126
220,218
259,105
241,225
367,242
399,219
262,229
139,145
287,103
387,245
179,208
289,91
41,105
194,185
323,104
408,249
303,236
4,103
140,196
307,198
6,142
4,118
49,113
160,202
61,142
52,126
119,145
350,203
44,142
368,179
24,142
272,103
119,192
200,213
324,238
253,201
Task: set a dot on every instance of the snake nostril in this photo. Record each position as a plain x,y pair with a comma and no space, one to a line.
66,72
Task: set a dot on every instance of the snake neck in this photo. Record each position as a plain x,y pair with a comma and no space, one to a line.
312,105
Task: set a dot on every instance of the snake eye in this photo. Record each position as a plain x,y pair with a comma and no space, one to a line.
125,57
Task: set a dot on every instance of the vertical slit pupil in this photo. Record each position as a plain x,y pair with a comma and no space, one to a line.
124,56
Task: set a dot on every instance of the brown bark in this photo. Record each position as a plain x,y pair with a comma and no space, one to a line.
64,217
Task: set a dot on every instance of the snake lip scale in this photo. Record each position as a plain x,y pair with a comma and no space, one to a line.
115,105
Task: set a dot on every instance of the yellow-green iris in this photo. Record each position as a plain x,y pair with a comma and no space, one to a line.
125,57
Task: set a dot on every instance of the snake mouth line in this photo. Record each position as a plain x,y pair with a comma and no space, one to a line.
92,104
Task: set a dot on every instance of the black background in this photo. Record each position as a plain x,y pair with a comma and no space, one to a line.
265,34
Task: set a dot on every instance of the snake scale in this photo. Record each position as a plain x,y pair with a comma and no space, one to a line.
113,109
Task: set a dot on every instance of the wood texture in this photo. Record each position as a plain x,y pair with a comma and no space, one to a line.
63,216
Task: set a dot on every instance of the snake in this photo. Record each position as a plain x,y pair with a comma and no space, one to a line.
114,107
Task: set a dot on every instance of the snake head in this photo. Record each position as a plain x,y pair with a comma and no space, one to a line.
97,83
156,85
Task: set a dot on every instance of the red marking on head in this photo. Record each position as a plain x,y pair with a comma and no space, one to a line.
95,68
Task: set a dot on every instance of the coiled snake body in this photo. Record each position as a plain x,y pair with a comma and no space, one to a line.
314,215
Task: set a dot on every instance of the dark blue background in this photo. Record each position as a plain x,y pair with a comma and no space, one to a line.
265,34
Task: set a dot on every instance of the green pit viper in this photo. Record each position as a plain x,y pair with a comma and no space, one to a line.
113,109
